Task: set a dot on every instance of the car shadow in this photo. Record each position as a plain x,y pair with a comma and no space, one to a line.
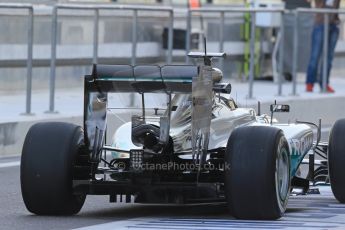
145,210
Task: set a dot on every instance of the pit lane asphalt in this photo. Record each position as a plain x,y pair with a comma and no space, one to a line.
304,212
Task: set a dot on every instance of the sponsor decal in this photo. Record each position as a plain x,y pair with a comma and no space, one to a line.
301,146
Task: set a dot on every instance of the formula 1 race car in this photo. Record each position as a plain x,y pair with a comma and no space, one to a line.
171,134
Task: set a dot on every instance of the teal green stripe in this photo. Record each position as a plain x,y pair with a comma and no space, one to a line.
182,80
117,79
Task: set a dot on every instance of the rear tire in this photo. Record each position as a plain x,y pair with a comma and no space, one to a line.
46,172
336,160
257,185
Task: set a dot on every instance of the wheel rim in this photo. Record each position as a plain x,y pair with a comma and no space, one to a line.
282,176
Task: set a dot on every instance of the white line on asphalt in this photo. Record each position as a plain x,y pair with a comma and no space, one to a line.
9,164
292,221
121,224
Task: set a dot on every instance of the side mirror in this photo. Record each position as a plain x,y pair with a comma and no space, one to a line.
279,108
222,88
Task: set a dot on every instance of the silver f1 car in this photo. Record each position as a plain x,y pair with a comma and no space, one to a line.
190,144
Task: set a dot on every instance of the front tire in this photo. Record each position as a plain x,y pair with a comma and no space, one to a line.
46,172
257,185
336,160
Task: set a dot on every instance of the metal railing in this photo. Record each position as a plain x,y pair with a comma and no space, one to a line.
169,56
326,13
253,12
96,9
30,9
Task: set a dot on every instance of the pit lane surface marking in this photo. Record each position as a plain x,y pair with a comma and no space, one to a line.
304,212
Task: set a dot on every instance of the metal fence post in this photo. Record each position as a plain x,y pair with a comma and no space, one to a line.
170,37
188,34
134,36
295,54
53,61
281,56
221,38
134,47
325,53
252,55
29,62
95,37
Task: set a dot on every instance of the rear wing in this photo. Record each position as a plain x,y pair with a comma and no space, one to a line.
141,78
170,79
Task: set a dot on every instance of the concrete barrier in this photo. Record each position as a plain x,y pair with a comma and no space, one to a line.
327,109
12,134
